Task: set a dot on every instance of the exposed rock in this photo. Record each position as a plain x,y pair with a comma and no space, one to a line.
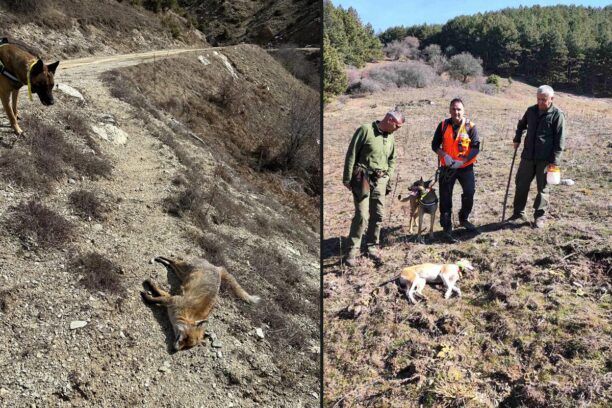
70,91
110,133
77,324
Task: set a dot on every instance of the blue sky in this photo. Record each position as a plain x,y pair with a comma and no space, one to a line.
383,14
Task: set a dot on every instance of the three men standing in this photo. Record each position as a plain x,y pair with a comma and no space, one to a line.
371,162
457,145
542,150
368,168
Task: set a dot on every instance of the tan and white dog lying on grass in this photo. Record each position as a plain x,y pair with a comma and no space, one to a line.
418,275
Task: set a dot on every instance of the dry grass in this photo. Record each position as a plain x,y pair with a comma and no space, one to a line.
98,273
47,157
87,205
35,223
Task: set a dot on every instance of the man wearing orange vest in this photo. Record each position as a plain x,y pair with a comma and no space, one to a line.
456,143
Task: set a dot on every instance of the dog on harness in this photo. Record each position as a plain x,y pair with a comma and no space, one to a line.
413,278
18,67
421,200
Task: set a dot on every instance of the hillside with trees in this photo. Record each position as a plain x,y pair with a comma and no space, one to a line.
346,41
569,47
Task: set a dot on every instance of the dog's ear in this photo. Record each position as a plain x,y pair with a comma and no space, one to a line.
427,183
53,67
37,68
421,180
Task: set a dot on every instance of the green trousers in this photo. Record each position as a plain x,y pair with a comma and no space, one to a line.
369,212
528,169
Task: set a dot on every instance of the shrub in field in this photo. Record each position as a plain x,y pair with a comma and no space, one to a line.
494,80
413,75
431,52
366,85
98,273
86,204
464,65
406,48
37,222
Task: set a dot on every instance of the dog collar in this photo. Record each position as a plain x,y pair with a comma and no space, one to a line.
29,82
461,265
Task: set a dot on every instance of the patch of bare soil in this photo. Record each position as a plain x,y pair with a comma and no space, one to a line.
74,329
533,326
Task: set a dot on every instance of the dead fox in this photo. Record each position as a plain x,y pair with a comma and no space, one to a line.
189,310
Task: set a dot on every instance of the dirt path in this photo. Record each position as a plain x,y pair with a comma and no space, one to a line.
121,356
75,69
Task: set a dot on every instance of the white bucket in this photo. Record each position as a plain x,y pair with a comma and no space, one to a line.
553,176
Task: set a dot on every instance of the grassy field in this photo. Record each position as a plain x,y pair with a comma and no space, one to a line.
533,326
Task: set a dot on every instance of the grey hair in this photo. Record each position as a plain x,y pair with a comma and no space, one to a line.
397,115
546,90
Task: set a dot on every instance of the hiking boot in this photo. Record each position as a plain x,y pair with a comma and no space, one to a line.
374,252
468,226
351,258
540,222
350,261
517,219
448,236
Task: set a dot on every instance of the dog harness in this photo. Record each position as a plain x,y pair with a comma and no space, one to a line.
458,148
12,77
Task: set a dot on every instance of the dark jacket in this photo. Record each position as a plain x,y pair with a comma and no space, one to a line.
545,134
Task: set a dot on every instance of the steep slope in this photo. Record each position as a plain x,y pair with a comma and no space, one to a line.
258,22
85,206
79,28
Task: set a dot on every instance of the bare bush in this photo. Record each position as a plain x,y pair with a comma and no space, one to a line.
366,85
87,204
214,248
98,273
406,48
413,75
299,65
431,52
34,221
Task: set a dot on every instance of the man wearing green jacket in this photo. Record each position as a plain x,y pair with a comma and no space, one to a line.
368,168
542,150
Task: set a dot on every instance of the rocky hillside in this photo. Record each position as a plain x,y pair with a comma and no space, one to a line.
179,157
259,22
73,28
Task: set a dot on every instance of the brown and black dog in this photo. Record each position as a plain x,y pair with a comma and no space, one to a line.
421,200
19,67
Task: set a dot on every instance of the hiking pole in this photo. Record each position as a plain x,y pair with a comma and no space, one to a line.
508,185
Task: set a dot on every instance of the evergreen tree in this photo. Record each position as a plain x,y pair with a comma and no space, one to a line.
334,74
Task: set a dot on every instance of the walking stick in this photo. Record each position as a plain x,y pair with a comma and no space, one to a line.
394,188
508,185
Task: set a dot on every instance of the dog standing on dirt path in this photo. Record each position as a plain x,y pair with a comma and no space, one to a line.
421,200
418,275
199,289
18,68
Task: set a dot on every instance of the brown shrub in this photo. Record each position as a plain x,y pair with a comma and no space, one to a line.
214,248
87,204
99,273
38,222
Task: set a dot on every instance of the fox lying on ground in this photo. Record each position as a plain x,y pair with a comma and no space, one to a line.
189,310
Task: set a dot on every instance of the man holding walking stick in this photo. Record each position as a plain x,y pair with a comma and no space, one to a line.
542,150
368,170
